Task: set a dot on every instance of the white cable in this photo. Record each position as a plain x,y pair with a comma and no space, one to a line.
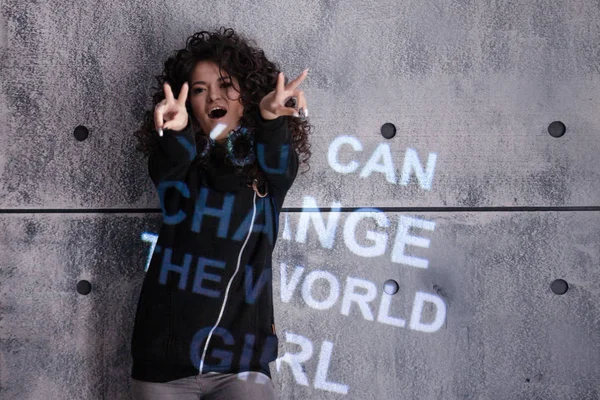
228,286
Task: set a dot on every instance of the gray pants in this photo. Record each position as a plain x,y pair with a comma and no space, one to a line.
212,386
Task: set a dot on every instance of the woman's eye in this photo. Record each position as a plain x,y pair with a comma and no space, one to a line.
223,85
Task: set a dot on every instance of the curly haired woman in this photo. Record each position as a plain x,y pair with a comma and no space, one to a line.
224,140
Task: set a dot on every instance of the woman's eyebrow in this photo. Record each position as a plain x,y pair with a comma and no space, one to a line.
204,83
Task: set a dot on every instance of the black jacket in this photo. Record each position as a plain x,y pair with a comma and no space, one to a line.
206,302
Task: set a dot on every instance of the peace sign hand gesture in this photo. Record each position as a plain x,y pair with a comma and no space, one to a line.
273,104
171,110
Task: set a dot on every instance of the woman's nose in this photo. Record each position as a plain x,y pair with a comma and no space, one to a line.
214,95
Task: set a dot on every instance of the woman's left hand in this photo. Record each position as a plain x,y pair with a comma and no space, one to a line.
273,104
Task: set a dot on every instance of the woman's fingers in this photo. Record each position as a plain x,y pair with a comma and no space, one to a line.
302,103
300,100
168,92
183,94
296,82
280,83
288,111
171,108
162,108
159,113
290,90
275,102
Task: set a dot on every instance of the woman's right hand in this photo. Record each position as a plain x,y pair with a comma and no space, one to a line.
171,112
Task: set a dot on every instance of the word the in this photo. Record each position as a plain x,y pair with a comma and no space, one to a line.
252,290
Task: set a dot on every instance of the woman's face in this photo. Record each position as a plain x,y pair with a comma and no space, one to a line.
208,91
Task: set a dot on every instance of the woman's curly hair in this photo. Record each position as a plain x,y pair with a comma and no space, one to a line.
239,57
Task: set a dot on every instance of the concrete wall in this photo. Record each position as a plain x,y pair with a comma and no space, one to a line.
502,208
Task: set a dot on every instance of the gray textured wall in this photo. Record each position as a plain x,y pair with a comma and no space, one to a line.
502,208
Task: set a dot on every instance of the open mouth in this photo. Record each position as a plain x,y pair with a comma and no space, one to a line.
217,113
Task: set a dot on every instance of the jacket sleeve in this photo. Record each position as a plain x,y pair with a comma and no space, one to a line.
274,148
174,155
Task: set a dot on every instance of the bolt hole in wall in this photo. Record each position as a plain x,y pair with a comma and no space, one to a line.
376,163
